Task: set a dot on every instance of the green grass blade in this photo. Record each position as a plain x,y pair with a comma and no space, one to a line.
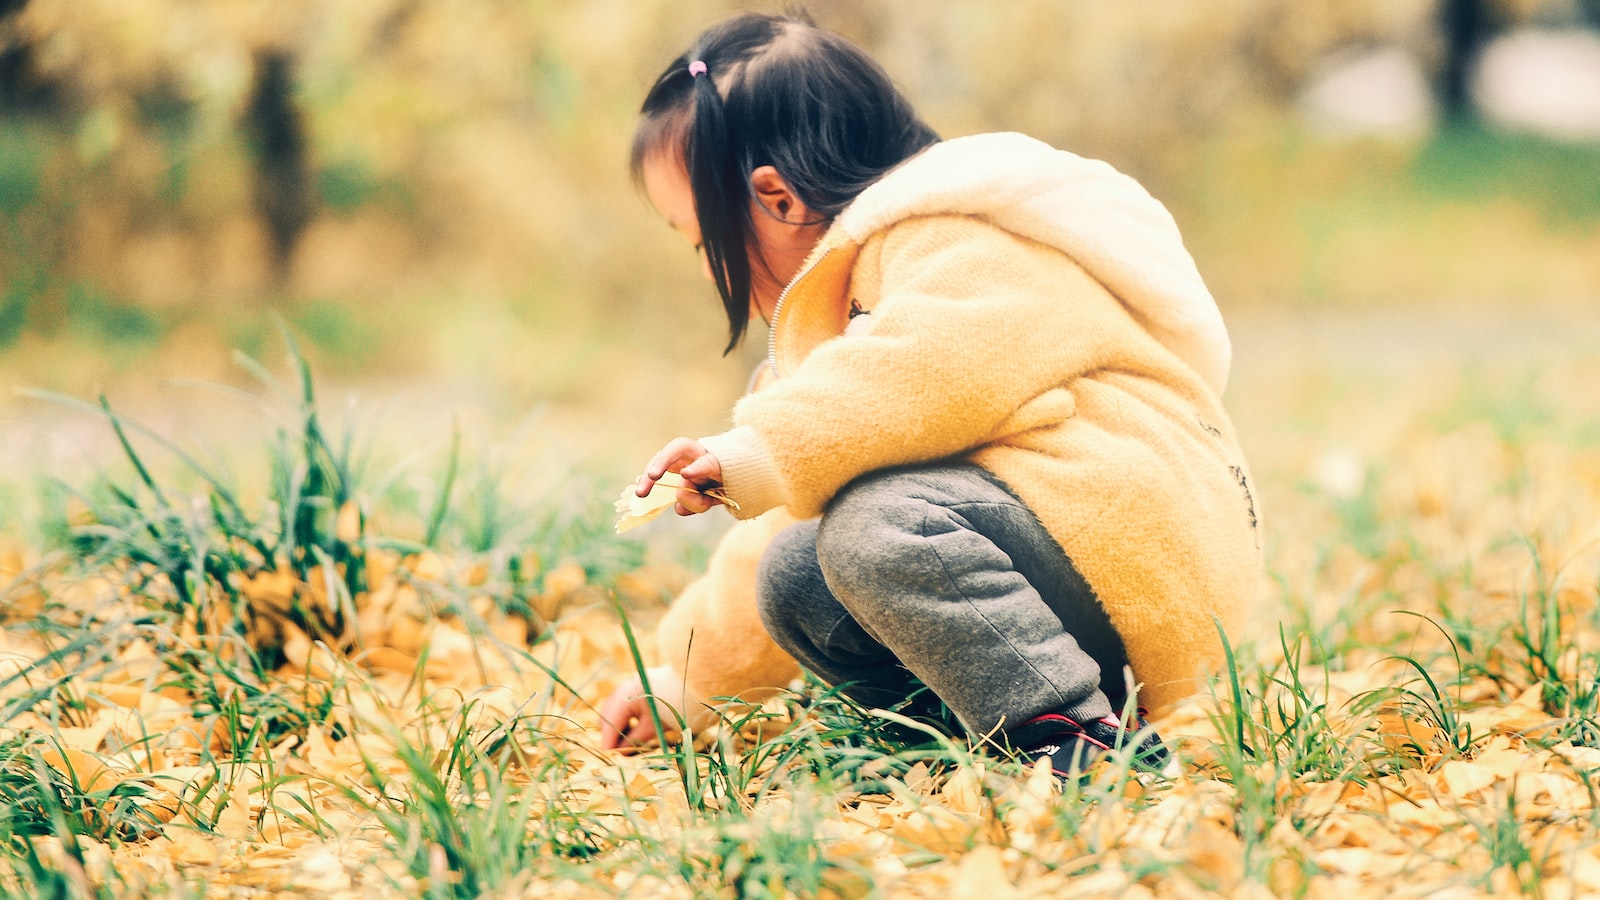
441,504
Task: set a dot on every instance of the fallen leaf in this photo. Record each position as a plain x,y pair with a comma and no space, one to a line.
1586,869
935,829
1213,848
1503,760
90,736
88,772
634,510
427,566
317,749
235,821
191,847
388,659
1462,778
963,791
274,589
982,874
321,872
348,526
1425,814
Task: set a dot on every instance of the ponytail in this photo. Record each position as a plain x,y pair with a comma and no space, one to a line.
720,203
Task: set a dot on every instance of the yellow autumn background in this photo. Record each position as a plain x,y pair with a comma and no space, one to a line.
331,331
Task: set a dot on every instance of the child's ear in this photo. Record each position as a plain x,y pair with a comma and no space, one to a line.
775,195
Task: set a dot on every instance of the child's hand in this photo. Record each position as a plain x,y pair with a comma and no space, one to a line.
695,464
625,717
625,720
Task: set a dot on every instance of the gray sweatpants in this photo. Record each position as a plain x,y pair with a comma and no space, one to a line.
940,573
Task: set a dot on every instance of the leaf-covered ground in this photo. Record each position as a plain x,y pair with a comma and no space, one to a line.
217,696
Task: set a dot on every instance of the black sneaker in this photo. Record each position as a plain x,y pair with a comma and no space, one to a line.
1074,747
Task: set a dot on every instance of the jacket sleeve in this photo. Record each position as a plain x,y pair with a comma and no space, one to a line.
972,323
712,637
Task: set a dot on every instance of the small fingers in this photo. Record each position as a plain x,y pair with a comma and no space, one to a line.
620,712
704,471
643,732
612,727
677,453
692,503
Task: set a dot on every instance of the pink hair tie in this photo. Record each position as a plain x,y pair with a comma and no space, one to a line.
696,68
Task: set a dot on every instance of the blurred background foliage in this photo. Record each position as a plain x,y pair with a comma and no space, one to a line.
436,189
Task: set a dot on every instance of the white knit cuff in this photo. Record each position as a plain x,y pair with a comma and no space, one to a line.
749,474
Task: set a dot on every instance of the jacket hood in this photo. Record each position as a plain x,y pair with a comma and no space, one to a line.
1103,219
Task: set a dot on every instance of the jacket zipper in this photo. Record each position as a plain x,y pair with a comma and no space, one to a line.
777,310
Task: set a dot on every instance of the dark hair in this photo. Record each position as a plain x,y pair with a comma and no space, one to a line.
778,91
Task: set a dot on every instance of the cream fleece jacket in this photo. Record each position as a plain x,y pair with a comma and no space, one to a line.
1036,313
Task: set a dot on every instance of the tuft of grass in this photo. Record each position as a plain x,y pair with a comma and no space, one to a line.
1546,637
45,817
36,800
194,555
768,854
1514,863
482,812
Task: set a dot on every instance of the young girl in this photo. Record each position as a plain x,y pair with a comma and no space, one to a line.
988,453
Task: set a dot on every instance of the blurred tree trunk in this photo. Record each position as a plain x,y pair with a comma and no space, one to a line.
20,90
1464,24
283,193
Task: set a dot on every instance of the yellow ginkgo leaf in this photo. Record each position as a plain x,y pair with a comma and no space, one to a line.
634,510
